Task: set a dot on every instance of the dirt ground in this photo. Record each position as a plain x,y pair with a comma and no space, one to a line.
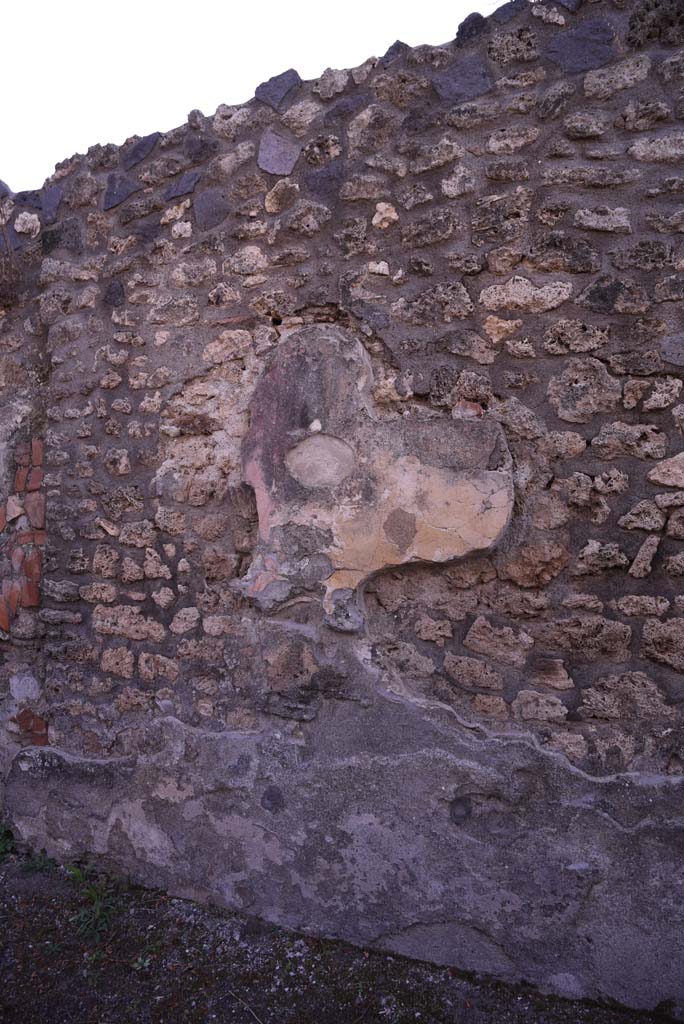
80,948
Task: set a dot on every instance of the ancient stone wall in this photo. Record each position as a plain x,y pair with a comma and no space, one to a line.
357,415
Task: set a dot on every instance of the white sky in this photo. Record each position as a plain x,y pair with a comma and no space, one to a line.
84,71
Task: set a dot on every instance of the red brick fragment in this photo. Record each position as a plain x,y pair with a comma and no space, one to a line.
17,558
14,597
37,451
14,507
32,565
4,615
20,478
34,503
33,727
25,537
40,537
30,594
22,455
35,479
3,518
25,720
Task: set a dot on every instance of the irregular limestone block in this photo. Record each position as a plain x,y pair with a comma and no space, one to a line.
603,218
520,294
601,85
582,390
669,472
662,148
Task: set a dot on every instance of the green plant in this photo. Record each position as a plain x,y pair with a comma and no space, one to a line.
99,896
80,874
146,958
38,862
7,847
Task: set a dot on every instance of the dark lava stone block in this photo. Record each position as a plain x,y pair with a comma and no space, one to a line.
31,199
277,155
67,235
508,11
198,148
119,188
211,207
672,349
347,107
134,154
325,182
588,46
276,89
473,26
51,199
10,235
465,79
114,294
397,49
184,186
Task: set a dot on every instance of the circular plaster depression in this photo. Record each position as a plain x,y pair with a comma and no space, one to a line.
320,461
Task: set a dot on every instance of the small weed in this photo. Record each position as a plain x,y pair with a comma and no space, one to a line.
80,874
146,958
100,901
6,844
36,863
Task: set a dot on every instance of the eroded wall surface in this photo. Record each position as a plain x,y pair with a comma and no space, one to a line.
342,482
